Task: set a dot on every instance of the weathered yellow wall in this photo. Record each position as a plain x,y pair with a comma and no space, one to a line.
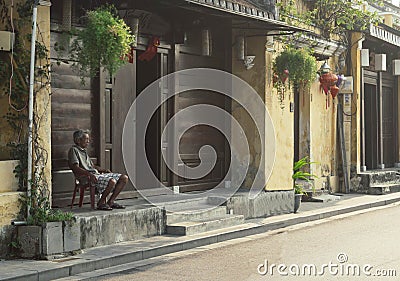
9,207
42,106
255,78
9,203
6,132
322,134
281,177
9,183
317,123
260,78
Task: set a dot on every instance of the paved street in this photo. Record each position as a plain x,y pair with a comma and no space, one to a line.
367,241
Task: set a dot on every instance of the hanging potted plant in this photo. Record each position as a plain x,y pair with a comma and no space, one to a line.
297,66
105,42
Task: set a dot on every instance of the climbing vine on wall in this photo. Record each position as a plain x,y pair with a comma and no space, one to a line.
14,84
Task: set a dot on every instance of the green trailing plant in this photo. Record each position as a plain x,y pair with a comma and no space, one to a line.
300,174
39,205
16,245
14,74
104,42
298,65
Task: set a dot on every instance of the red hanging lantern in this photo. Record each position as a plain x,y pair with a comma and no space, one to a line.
151,49
334,91
327,80
284,75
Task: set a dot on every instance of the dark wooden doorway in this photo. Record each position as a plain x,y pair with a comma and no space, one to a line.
389,126
148,72
296,116
379,88
201,135
371,128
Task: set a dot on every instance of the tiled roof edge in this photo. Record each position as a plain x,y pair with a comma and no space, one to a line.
240,8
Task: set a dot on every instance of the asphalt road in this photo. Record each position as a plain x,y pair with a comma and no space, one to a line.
366,244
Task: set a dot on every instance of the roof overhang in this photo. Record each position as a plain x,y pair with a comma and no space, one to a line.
322,48
244,17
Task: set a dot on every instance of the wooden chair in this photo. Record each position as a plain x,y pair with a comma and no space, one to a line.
83,183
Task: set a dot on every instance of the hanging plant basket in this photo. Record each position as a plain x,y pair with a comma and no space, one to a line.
296,65
105,42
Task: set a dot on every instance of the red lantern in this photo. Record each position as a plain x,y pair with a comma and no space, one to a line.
151,50
327,80
284,75
334,91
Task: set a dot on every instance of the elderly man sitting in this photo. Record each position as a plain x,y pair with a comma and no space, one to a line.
105,181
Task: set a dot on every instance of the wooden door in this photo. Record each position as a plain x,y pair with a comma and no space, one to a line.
371,127
389,127
198,136
155,142
373,121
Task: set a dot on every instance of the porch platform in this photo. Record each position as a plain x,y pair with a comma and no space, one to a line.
140,219
149,217
377,182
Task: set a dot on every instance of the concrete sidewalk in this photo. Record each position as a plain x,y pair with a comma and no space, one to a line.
95,260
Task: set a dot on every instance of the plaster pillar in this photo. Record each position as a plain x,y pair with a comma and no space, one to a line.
42,107
355,141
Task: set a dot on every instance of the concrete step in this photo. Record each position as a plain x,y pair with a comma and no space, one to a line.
322,198
377,178
384,189
190,206
203,225
177,203
203,212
